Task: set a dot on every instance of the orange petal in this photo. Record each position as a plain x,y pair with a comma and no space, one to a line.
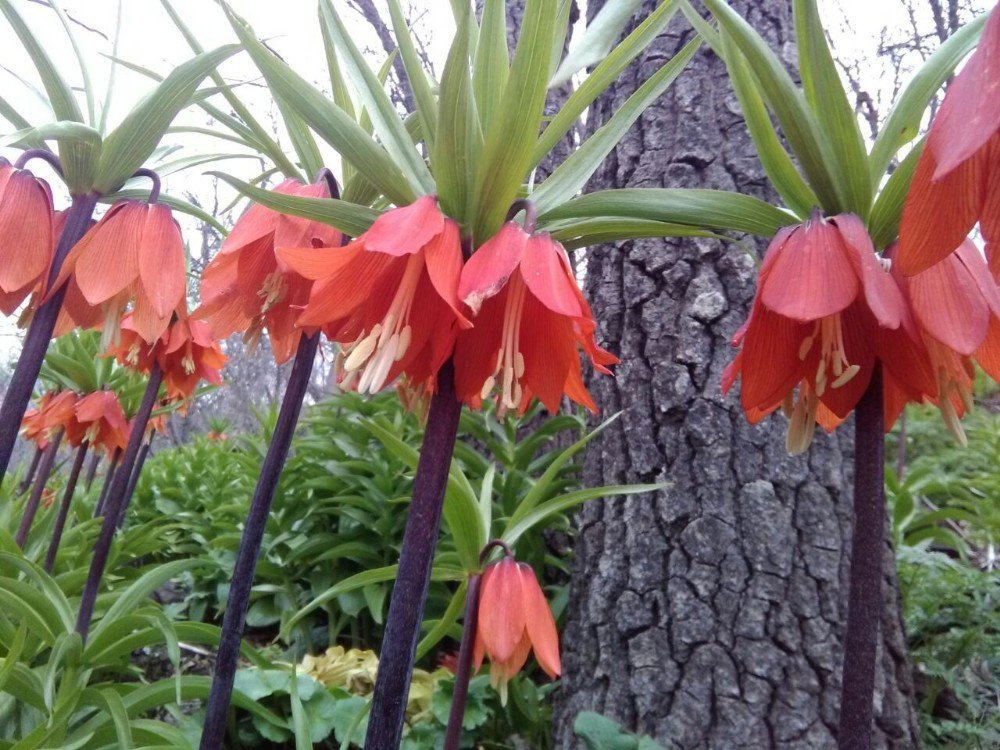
937,216
443,256
403,231
26,229
947,303
812,276
501,611
487,271
881,293
107,257
548,274
539,623
970,112
770,365
315,263
161,260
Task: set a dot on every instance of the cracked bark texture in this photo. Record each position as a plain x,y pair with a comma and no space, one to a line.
710,614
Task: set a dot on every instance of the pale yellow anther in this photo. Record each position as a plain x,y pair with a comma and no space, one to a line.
361,352
805,346
487,388
846,377
519,364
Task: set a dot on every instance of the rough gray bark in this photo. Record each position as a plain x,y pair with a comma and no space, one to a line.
708,615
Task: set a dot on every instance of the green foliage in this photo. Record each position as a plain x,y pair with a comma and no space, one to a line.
601,733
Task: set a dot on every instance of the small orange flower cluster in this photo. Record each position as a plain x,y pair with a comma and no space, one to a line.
401,300
97,419
826,311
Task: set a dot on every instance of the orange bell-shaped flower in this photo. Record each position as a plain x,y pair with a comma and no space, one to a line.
54,409
514,619
26,235
957,180
823,302
135,252
390,298
248,288
531,320
98,419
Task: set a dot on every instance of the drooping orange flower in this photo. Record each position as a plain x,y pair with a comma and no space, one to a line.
217,436
98,419
247,287
186,352
26,234
514,619
531,320
135,252
824,312
957,180
53,411
390,298
956,308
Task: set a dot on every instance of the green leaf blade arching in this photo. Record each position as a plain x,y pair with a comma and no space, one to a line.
326,119
883,223
128,146
492,60
511,137
349,218
826,95
778,165
388,125
460,139
707,209
903,123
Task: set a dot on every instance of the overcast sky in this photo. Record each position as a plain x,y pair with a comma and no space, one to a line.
149,39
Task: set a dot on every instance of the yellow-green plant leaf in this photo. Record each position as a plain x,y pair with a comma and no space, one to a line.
778,165
570,176
597,40
903,123
349,218
586,232
883,223
709,209
388,125
826,95
511,137
127,147
601,77
423,96
492,64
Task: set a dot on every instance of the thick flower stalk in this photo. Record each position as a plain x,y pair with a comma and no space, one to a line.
957,180
823,316
531,320
248,288
390,298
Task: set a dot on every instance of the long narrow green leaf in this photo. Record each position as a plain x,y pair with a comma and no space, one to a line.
491,66
586,232
327,119
601,77
778,165
903,123
570,176
349,218
60,96
789,105
511,137
710,209
88,88
387,123
460,139
102,123
440,628
826,95
597,40
129,145
421,88
263,138
883,224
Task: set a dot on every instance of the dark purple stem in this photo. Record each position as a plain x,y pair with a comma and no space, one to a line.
453,735
31,507
402,629
154,191
864,605
30,475
108,478
39,153
530,213
133,480
36,342
95,460
116,499
57,531
245,566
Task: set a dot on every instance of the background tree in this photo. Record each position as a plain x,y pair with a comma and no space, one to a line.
709,615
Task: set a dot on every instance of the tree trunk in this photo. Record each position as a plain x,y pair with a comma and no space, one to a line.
711,614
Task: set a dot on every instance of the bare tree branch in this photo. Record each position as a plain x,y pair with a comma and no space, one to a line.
371,14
